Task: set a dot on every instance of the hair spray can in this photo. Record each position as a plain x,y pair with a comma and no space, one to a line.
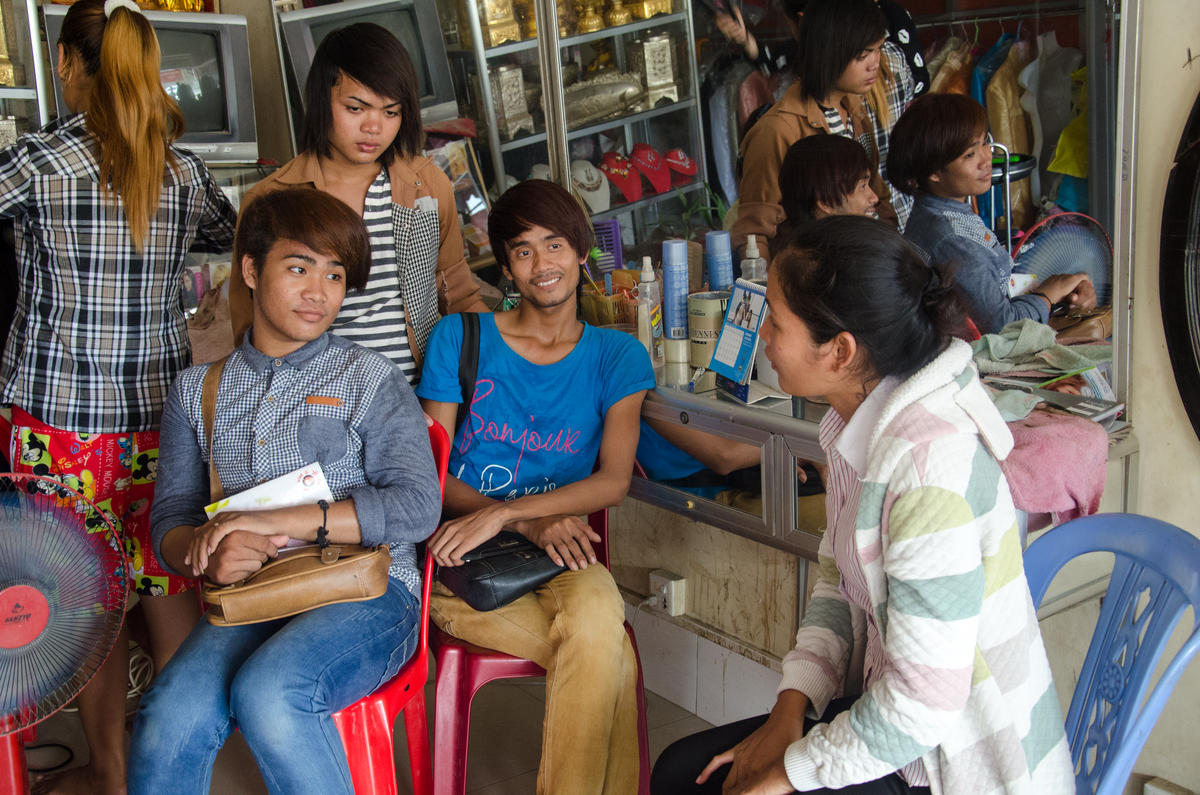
718,259
675,292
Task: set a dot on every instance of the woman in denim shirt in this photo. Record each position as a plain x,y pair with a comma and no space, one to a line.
940,154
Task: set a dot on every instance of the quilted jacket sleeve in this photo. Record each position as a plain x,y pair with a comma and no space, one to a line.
817,665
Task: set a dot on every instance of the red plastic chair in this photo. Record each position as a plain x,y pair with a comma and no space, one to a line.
366,725
463,668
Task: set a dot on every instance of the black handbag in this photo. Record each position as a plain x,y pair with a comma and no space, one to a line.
503,568
499,570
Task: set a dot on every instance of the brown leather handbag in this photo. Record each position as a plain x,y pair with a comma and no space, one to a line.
1095,324
296,581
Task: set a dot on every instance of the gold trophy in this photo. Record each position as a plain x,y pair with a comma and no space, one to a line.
618,14
644,9
498,23
591,21
10,74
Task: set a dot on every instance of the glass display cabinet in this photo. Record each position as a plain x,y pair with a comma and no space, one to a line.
600,94
21,71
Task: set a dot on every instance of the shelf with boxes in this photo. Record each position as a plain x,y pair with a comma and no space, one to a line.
626,78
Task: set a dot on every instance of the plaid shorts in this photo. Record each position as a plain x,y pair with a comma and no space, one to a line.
116,471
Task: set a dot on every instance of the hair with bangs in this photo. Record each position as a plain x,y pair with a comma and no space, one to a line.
934,131
832,34
306,215
856,274
374,57
537,202
133,119
819,169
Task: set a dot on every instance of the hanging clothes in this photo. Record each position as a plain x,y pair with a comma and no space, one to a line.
1010,126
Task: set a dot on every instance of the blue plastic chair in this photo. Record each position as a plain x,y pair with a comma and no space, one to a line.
1155,578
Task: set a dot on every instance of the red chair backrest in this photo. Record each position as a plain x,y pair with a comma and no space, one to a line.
439,443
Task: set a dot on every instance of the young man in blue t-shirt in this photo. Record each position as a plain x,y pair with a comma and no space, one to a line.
549,436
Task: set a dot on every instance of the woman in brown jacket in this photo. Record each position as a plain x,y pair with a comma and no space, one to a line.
361,142
838,63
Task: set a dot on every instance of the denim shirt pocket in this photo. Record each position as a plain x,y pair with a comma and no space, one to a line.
323,439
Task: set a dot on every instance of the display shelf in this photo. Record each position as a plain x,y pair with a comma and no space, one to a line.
18,92
601,126
645,201
513,47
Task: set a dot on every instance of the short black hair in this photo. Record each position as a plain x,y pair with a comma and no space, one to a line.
934,131
856,274
820,169
832,34
374,57
309,216
538,202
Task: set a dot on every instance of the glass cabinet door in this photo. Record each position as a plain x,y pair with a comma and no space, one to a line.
629,88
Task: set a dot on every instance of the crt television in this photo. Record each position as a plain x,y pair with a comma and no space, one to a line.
206,68
414,22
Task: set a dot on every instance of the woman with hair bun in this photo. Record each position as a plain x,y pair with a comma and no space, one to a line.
918,666
105,208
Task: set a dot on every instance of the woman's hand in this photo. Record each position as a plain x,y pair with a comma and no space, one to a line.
1075,288
207,537
772,780
754,758
239,555
733,28
457,537
567,539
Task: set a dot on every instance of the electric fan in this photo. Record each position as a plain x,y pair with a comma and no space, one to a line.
1068,243
62,601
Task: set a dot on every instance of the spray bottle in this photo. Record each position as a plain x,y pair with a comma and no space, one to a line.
754,267
649,313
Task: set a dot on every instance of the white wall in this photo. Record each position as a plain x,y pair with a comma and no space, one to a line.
1169,473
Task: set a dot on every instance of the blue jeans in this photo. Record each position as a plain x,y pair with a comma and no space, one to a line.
279,682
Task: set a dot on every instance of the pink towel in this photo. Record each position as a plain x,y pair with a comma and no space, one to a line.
1057,465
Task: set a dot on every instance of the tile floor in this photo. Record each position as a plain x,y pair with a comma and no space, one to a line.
506,726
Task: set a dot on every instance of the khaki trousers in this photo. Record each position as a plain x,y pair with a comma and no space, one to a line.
574,628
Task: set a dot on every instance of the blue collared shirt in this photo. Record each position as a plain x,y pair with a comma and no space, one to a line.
329,401
950,234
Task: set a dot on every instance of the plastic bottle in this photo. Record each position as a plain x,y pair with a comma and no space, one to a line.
754,267
649,313
719,259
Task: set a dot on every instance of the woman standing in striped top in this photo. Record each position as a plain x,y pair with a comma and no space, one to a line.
361,142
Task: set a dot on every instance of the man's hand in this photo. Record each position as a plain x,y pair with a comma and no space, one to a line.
208,536
239,555
565,539
753,761
457,537
733,28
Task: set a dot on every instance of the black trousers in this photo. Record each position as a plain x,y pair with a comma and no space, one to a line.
677,767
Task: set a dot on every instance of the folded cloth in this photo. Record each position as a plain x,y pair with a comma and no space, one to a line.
1030,345
1057,465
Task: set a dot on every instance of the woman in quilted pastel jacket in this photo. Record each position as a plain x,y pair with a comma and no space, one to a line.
919,666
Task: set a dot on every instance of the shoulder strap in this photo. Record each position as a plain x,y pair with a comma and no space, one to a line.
468,364
208,410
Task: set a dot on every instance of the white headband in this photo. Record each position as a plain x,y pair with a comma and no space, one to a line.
113,5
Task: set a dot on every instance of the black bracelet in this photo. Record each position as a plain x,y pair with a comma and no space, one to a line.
1043,295
322,533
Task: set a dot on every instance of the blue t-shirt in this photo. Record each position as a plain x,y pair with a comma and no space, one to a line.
531,427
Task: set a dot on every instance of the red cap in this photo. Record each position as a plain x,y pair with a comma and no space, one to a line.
621,173
652,166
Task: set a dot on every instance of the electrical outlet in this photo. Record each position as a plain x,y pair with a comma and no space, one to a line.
670,590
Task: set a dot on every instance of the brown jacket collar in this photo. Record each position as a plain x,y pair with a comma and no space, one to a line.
809,110
405,175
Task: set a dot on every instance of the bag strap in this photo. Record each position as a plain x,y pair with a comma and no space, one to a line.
468,364
208,410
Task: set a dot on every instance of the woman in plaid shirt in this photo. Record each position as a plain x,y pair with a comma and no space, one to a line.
105,209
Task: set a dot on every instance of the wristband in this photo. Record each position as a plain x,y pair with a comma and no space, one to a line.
1044,297
322,532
